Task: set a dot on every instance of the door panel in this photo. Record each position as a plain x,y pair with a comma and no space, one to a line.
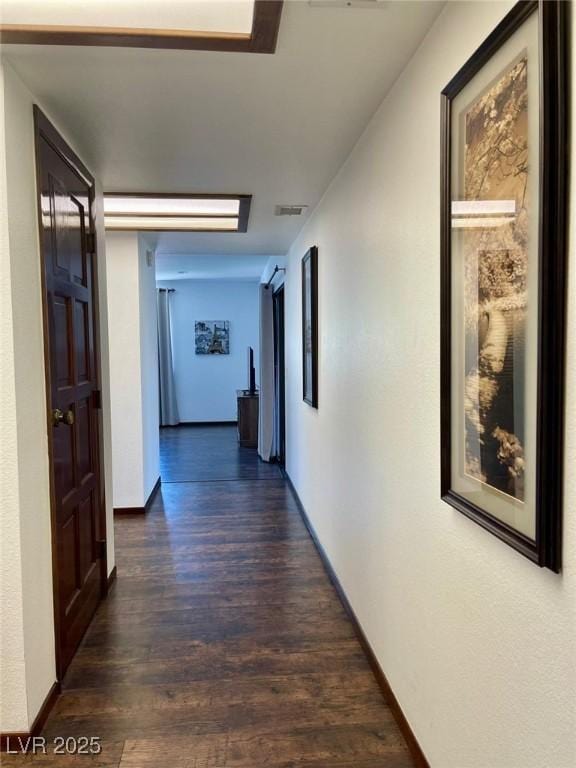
86,533
62,350
84,458
66,193
81,324
67,575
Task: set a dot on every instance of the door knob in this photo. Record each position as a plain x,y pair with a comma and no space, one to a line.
59,417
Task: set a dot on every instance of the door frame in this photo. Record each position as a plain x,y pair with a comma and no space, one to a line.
278,300
43,129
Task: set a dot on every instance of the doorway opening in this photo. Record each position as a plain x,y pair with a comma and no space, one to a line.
209,355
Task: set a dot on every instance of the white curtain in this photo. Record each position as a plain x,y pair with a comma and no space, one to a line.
168,404
266,415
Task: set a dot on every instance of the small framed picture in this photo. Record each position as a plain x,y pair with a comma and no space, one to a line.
503,282
310,327
212,337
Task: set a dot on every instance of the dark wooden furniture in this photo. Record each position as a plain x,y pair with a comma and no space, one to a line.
247,419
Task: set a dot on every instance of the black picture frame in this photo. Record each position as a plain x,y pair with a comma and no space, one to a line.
310,326
545,549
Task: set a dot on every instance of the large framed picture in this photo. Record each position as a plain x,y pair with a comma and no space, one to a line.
503,281
310,327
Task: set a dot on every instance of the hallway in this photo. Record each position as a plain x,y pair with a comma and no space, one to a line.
222,643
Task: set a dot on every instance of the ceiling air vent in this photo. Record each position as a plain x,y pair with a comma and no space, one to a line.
289,210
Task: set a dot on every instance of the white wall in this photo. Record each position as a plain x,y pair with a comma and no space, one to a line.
133,368
477,642
149,367
105,376
27,623
13,702
206,384
125,380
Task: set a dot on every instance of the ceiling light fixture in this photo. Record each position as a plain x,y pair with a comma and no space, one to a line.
159,212
247,26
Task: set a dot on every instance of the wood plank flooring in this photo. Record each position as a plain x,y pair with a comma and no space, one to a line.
222,643
195,453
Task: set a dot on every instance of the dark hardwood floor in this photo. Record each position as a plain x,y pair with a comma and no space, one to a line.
222,644
195,453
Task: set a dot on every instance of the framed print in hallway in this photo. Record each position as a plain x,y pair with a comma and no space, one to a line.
212,337
503,281
310,327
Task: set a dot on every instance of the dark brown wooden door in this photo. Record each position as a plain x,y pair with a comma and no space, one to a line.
66,196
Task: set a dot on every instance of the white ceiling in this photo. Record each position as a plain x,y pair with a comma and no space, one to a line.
274,126
209,267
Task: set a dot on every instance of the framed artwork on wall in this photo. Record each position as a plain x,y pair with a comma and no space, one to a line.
310,327
212,337
503,281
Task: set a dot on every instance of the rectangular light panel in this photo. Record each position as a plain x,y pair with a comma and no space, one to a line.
124,211
150,206
228,17
163,223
